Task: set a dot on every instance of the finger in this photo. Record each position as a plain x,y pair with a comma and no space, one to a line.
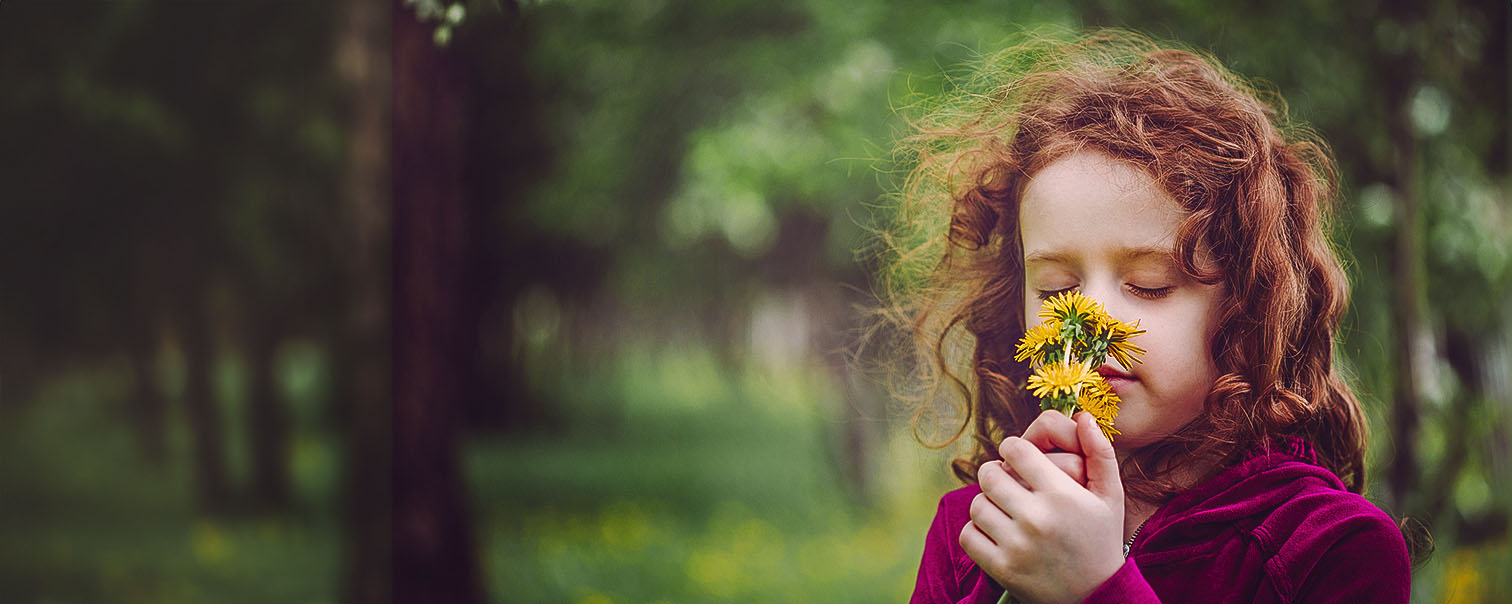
978,545
1031,465
1003,490
989,519
1052,430
1102,463
1071,464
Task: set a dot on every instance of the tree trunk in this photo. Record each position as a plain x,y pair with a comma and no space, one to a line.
200,407
434,554
1407,267
267,420
146,405
361,344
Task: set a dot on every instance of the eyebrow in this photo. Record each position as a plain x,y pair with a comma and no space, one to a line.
1124,254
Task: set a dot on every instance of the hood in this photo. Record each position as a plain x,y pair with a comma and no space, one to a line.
1240,497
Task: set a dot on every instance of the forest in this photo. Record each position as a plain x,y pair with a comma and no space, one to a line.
563,300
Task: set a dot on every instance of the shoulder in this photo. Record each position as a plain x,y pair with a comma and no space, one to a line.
946,570
1323,539
1316,515
953,513
951,517
958,502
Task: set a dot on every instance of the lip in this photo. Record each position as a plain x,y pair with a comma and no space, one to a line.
1111,372
1116,379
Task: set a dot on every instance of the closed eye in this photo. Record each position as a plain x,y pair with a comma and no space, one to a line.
1046,294
1151,293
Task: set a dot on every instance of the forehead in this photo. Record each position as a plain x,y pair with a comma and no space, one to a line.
1091,203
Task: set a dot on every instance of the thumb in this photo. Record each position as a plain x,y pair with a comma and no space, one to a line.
1102,464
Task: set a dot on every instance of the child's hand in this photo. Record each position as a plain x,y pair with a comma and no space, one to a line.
1052,541
1055,435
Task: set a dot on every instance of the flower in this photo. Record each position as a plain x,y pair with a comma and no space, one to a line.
1119,334
1099,400
1037,339
1073,307
1077,334
1061,378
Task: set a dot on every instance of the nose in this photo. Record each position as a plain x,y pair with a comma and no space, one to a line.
1108,292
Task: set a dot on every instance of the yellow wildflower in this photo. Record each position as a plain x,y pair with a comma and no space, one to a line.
1073,306
1061,378
1036,339
1119,334
1099,400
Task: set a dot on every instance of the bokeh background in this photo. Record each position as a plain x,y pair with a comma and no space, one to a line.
556,300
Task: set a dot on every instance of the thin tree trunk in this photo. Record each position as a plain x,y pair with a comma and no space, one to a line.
201,408
362,344
434,552
147,408
267,420
1407,296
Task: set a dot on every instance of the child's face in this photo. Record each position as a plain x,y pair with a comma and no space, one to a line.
1101,225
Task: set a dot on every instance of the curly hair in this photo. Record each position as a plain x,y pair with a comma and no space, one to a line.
1257,191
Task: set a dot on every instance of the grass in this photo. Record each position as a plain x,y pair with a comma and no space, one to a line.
85,519
676,481
707,486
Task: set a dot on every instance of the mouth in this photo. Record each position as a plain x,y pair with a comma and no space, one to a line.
1115,377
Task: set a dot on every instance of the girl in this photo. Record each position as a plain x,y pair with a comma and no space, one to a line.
1159,184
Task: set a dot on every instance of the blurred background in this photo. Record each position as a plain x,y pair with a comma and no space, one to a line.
556,300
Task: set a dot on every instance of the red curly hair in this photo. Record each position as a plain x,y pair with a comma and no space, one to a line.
1257,193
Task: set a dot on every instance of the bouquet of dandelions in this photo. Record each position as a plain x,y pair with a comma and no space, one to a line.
1066,349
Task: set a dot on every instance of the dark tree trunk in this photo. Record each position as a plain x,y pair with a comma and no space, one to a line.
267,420
434,553
1407,314
146,406
201,408
361,345
1407,268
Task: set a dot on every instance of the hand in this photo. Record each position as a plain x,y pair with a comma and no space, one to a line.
1055,435
1049,539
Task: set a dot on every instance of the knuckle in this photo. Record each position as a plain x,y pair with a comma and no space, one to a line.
978,506
1033,520
984,475
968,543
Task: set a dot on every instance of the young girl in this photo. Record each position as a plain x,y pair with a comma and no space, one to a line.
1157,183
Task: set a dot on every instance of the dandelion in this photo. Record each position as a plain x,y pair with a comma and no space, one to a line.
1075,336
1061,379
1101,402
1038,340
1072,307
1119,334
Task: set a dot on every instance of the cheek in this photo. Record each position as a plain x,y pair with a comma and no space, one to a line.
1178,360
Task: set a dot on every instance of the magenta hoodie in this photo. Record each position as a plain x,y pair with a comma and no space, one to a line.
1275,527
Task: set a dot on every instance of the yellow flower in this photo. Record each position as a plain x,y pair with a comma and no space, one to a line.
1060,378
1108,430
1073,306
1119,334
1036,339
1099,400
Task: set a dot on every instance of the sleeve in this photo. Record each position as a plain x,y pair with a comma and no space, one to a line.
1127,586
1367,565
936,583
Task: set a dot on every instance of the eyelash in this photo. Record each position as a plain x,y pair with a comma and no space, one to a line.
1146,293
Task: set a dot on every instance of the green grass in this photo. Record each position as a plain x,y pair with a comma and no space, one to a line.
705,486
675,481
85,519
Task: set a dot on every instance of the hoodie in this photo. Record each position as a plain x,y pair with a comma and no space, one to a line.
1274,527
